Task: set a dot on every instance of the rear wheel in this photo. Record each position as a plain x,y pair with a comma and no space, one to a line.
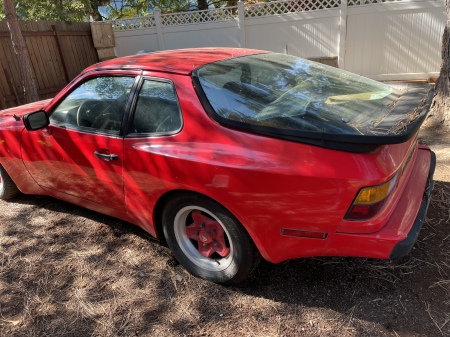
8,188
208,240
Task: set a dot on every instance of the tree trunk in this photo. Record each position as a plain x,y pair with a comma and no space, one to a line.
440,108
20,48
94,12
202,4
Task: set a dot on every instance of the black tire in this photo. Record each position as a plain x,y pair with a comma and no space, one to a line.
221,267
8,188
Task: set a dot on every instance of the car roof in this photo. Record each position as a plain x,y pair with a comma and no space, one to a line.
180,61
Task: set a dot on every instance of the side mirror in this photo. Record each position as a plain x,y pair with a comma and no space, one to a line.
36,120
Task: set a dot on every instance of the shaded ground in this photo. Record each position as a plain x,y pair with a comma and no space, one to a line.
67,271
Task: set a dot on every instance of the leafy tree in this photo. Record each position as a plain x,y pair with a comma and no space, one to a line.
92,8
118,9
80,10
64,10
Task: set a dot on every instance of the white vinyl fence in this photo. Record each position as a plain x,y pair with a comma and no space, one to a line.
381,39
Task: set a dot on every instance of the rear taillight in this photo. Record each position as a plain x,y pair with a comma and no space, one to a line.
370,200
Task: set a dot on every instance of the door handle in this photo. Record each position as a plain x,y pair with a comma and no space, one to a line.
106,157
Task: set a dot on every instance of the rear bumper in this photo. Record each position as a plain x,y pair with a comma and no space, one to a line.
404,247
400,232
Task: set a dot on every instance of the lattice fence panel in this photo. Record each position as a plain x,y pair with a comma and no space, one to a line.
367,2
133,23
288,6
210,15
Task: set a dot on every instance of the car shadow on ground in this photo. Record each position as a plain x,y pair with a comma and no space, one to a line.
69,270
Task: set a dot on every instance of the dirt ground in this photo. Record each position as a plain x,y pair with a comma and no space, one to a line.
67,271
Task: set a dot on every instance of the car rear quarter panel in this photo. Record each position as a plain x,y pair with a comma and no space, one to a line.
396,228
267,183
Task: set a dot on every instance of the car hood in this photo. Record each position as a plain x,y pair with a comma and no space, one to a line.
24,109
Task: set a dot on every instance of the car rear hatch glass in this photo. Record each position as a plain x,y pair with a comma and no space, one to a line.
288,97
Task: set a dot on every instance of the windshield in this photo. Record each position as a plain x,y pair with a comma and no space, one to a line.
286,92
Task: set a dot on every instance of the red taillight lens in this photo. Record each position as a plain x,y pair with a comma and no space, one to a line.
370,200
364,212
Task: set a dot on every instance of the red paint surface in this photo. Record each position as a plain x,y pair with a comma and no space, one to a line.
267,183
180,61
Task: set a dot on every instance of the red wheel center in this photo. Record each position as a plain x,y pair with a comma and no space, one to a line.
205,237
209,235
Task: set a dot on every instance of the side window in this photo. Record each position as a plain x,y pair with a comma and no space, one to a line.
97,104
157,109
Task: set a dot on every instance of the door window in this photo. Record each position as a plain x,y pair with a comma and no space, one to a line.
96,105
157,110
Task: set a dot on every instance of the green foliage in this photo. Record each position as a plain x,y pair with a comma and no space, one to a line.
65,10
80,10
172,6
118,9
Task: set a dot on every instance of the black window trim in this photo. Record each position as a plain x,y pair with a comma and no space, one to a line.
129,121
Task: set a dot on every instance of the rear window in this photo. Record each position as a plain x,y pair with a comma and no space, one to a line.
288,93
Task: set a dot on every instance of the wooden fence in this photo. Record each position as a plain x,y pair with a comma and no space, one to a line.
58,52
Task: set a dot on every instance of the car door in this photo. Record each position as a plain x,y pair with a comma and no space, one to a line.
155,120
81,152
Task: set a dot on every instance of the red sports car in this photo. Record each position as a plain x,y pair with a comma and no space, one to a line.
231,154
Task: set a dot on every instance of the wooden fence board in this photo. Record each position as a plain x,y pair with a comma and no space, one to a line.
3,83
76,52
49,69
92,53
33,51
33,44
55,62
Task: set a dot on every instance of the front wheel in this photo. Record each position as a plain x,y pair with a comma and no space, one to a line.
8,188
208,240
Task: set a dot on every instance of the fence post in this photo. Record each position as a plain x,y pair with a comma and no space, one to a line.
241,23
103,38
342,34
157,13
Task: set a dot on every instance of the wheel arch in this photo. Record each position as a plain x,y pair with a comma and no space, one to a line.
163,199
8,188
19,174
